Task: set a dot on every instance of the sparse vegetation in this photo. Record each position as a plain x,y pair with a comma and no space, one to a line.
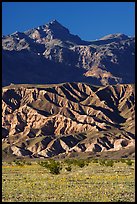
122,160
106,162
20,162
126,161
95,160
58,181
53,166
68,168
79,162
129,162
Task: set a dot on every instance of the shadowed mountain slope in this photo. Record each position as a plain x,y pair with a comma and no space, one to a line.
51,54
50,120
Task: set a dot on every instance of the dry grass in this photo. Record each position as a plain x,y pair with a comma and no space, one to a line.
93,182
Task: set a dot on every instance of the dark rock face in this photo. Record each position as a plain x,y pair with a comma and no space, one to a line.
51,54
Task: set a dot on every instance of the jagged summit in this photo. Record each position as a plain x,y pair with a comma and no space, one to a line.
54,22
120,36
50,31
51,25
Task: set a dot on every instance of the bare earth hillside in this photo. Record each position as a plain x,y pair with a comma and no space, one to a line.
59,119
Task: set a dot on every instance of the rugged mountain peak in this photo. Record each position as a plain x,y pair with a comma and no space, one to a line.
55,23
50,25
119,36
18,34
50,31
112,38
53,55
57,30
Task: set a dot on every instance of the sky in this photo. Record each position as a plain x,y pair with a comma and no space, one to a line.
88,20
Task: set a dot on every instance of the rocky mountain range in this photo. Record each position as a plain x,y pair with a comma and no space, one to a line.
60,119
51,54
62,95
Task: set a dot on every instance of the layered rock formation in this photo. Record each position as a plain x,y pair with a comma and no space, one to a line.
49,120
51,54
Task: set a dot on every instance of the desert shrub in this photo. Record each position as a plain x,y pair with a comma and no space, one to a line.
71,161
102,162
68,161
129,162
78,162
28,163
122,160
81,163
116,160
19,162
87,161
68,168
53,166
95,160
9,163
109,163
44,164
106,162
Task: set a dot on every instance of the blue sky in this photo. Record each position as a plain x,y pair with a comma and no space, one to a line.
89,20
